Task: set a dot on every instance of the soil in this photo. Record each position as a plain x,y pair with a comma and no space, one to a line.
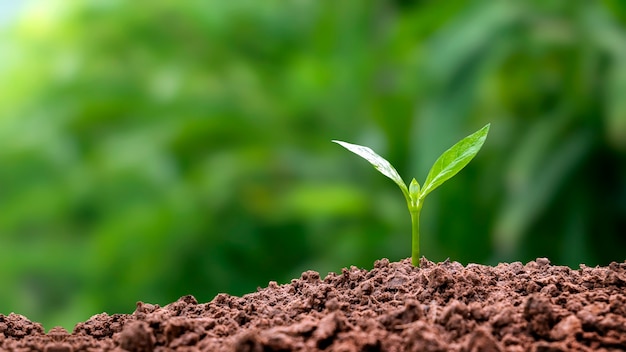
393,307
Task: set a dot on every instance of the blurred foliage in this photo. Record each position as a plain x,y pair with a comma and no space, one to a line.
152,151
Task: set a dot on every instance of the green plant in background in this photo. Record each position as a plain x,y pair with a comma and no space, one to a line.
446,166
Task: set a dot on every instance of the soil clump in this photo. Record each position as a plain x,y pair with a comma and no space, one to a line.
393,307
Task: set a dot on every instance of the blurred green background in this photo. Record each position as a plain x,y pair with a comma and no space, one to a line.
152,150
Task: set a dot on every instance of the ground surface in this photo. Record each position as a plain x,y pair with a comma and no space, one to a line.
393,307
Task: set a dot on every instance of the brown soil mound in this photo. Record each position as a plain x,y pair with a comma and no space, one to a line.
393,307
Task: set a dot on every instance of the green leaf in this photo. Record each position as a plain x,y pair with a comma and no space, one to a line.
378,162
454,159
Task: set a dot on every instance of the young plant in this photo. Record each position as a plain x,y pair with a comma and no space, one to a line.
446,166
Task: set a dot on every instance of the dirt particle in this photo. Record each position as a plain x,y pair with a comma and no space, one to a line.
312,277
451,311
136,337
248,342
365,288
333,304
58,334
381,264
532,287
550,290
545,346
143,309
411,312
542,262
396,282
421,337
569,326
58,347
439,278
482,341
327,330
538,313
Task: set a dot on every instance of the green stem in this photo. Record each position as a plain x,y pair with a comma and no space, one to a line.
415,234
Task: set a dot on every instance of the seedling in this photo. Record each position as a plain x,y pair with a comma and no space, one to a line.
448,165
